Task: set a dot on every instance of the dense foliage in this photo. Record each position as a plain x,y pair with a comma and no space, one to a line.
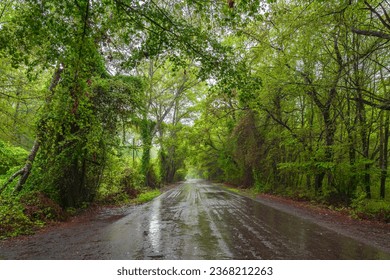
317,124
102,99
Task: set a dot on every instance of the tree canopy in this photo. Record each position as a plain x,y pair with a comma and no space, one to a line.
289,97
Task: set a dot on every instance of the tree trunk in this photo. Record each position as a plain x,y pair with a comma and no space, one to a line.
352,165
361,116
27,168
24,172
384,152
147,128
350,123
365,146
318,183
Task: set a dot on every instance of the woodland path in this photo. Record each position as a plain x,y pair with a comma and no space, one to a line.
197,220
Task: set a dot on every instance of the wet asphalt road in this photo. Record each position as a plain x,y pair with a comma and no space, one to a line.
196,220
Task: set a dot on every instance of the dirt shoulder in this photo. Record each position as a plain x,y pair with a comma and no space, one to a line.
97,211
372,233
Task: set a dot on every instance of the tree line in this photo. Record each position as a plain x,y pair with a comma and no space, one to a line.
104,98
304,111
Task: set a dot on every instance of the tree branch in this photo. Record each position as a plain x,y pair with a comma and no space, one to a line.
371,33
372,9
16,174
24,172
384,106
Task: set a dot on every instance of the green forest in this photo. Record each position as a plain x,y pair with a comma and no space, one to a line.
105,102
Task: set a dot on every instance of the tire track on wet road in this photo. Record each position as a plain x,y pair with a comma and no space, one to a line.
196,220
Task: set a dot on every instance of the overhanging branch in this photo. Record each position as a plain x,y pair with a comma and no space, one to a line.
371,33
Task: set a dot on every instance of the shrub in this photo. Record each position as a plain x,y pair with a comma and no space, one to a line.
114,198
130,182
14,221
24,214
152,180
180,175
10,156
371,209
38,207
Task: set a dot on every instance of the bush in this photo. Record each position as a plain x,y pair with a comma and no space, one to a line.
114,198
130,182
120,185
10,156
14,221
152,180
371,209
25,214
38,207
180,175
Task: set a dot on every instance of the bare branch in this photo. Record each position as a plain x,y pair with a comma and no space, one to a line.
384,106
16,174
372,9
385,12
372,33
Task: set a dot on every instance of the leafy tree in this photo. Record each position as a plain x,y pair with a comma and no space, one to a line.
287,96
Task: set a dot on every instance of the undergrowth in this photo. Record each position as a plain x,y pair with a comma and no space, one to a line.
371,209
147,196
24,214
360,207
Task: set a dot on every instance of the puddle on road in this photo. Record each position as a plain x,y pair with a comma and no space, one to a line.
206,222
154,233
207,240
217,195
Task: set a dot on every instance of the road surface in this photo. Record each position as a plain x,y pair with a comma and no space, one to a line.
196,220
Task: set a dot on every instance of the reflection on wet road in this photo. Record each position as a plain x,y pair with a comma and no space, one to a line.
201,221
196,220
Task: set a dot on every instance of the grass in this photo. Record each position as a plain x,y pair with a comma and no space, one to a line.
233,190
147,196
245,192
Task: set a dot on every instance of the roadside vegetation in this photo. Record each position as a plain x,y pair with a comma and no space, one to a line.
105,102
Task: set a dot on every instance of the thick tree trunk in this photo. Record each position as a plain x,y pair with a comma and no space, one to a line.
329,140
